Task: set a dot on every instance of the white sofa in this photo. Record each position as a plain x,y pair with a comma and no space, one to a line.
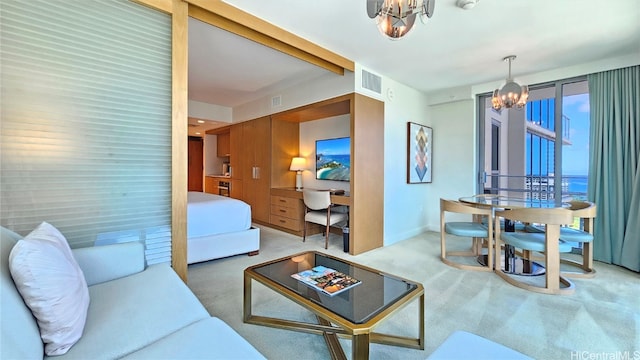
134,312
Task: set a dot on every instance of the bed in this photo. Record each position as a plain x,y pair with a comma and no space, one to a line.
217,227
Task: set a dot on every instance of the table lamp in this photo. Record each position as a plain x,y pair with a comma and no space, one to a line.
298,164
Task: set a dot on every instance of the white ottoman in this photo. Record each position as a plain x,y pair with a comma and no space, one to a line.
464,345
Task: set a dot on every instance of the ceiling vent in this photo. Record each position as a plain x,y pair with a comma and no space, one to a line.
371,82
276,101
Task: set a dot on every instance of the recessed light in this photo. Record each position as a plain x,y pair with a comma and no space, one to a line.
200,121
197,133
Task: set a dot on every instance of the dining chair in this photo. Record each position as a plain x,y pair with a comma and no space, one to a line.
586,212
547,243
318,211
469,229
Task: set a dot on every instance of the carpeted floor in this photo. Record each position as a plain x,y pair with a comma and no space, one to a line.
599,321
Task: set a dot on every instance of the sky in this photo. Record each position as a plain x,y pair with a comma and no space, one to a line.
340,146
575,158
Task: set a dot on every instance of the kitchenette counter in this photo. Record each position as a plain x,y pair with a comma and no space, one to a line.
217,184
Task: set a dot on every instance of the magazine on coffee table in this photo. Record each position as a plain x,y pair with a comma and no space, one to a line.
327,280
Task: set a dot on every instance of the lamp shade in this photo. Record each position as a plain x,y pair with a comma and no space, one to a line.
298,164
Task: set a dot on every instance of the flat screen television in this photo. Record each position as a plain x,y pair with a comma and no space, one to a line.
333,159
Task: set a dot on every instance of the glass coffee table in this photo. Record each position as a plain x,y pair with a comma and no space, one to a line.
353,313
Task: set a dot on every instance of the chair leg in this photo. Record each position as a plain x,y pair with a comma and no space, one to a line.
587,256
304,232
443,245
326,237
586,265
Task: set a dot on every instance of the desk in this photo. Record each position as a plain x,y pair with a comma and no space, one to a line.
512,264
287,209
295,194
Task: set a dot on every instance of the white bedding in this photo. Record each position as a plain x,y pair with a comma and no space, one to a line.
209,214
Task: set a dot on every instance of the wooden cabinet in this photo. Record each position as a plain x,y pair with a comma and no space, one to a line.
210,185
235,189
287,212
236,160
261,151
256,167
260,154
366,210
224,144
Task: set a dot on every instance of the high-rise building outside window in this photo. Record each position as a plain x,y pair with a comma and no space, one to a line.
529,153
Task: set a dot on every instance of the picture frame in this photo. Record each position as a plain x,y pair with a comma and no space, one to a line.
419,153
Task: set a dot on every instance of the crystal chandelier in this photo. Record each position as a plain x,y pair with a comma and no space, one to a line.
511,94
395,18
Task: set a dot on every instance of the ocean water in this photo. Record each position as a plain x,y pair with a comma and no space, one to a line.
345,160
577,184
340,173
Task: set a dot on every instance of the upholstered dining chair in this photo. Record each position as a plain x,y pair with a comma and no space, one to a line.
318,211
548,243
469,229
586,211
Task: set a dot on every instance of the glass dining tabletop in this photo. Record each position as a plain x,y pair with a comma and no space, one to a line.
500,201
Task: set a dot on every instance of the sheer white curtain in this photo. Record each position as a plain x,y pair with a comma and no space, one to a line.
86,121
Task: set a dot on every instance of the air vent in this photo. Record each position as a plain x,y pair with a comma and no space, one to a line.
276,101
371,82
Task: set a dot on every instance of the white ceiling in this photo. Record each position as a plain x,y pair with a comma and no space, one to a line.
455,47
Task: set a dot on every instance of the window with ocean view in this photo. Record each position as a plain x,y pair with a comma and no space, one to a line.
540,151
575,159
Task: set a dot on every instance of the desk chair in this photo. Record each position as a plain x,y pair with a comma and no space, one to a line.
547,242
318,211
586,211
470,229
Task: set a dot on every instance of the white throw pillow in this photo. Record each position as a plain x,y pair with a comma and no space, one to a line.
52,285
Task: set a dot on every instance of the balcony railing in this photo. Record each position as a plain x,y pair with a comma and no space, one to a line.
539,187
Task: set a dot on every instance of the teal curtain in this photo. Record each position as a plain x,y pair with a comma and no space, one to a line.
614,165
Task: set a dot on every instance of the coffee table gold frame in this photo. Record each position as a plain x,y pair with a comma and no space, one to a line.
331,325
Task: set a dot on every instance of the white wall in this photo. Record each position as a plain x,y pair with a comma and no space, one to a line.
206,111
405,205
454,156
310,131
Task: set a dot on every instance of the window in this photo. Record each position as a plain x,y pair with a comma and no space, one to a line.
528,153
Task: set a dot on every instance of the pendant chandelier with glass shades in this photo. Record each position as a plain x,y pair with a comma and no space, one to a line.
511,94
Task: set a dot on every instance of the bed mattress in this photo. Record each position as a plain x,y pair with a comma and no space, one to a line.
209,214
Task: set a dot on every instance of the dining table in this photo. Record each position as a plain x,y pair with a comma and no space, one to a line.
510,262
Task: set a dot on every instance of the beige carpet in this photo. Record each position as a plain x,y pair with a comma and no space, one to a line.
601,319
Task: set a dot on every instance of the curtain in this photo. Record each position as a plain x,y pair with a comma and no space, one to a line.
614,165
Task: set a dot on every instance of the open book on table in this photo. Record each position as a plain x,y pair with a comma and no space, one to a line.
327,280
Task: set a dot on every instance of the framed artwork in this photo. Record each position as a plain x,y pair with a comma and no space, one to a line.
419,153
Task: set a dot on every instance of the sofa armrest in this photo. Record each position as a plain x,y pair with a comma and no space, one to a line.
110,262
